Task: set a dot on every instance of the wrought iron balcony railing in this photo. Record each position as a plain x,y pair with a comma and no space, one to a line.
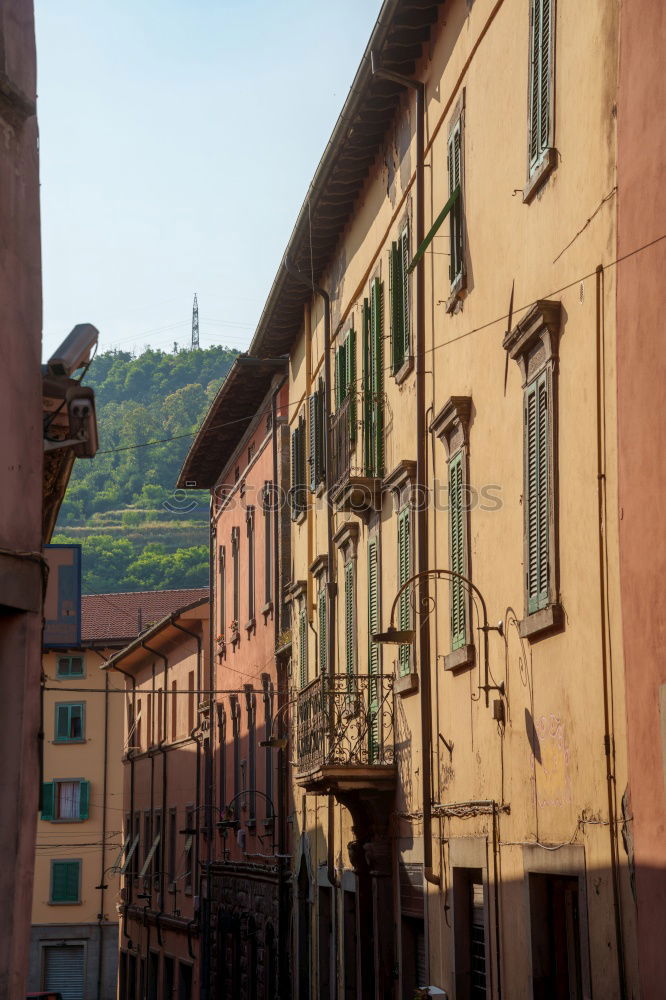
344,722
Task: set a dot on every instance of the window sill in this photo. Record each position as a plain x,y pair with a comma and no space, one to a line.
57,742
53,902
406,684
267,609
542,623
57,819
403,371
539,176
320,489
251,626
460,658
458,288
300,517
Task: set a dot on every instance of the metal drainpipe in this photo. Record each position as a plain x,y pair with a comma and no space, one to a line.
132,679
332,586
163,751
609,735
421,469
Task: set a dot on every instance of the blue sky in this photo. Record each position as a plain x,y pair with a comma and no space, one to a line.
178,138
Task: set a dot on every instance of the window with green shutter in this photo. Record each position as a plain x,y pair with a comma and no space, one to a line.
303,647
65,881
537,489
456,262
404,573
69,666
69,722
399,285
457,551
350,600
66,800
298,476
373,381
373,605
541,65
317,429
323,621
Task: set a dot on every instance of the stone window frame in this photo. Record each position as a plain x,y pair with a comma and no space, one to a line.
534,345
451,425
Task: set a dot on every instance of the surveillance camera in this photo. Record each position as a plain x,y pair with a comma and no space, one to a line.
75,350
82,420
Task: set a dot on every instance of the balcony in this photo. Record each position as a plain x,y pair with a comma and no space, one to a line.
345,734
356,481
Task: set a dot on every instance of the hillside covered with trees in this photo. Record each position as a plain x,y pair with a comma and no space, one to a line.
136,533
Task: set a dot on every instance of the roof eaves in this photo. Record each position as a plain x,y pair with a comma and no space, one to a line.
150,633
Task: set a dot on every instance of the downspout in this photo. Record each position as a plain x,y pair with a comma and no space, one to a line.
204,983
609,735
421,470
332,586
132,679
163,751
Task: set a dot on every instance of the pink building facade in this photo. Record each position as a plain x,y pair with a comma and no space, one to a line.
246,468
166,826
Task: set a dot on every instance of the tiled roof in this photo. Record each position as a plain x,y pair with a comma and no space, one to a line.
119,618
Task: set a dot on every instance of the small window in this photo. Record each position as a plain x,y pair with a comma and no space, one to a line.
399,285
317,430
65,800
69,666
249,518
70,722
65,882
235,555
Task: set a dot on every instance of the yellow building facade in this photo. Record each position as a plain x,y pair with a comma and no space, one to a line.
80,830
447,305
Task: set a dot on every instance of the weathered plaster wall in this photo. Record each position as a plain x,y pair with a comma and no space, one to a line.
641,363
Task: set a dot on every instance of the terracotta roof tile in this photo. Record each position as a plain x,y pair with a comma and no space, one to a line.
117,618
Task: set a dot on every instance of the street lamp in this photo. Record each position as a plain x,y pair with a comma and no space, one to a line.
401,637
276,742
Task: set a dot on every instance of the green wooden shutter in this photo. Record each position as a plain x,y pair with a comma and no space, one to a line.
457,553
455,215
294,471
303,647
404,568
62,722
396,285
537,493
47,800
376,379
540,85
349,617
65,881
351,390
404,261
84,799
367,394
340,376
313,457
373,606
323,648
320,431
373,653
